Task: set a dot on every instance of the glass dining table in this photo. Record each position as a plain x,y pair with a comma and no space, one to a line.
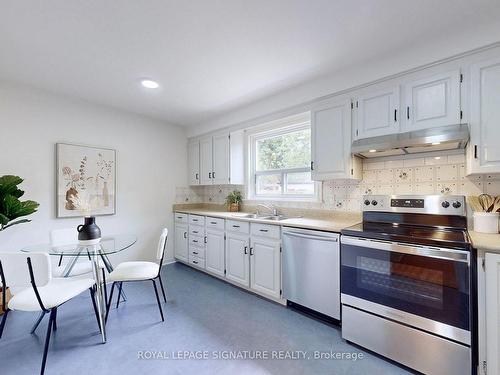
74,251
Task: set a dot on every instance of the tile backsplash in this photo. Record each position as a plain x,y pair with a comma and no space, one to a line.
443,174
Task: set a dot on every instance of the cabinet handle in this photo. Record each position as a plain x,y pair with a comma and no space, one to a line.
179,217
194,219
194,252
395,115
475,151
312,166
408,113
196,176
195,262
185,234
209,174
205,239
213,222
245,250
196,241
264,230
213,174
195,231
236,226
251,251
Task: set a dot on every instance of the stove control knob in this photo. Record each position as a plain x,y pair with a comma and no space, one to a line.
374,202
457,204
367,202
445,204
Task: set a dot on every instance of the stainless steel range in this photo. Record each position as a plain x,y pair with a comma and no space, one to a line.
407,282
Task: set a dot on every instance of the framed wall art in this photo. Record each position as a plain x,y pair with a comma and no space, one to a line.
85,171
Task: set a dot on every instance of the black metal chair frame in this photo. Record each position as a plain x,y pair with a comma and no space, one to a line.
52,325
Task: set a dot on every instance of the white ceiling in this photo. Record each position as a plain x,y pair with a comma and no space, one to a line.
210,57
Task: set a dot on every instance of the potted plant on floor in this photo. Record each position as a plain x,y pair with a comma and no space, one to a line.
233,201
11,211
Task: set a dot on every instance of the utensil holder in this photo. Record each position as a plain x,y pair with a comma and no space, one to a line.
486,222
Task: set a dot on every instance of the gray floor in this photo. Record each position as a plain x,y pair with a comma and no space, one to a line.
202,314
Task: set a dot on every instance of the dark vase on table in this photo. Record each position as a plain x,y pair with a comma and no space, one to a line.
89,233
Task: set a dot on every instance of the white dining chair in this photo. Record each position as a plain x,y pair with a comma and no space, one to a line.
140,271
31,274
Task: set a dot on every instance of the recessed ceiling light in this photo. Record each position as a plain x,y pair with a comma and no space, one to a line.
149,84
436,143
372,151
437,157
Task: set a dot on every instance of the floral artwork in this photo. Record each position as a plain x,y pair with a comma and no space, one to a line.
85,172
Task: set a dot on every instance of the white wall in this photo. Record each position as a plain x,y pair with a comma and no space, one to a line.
151,161
358,73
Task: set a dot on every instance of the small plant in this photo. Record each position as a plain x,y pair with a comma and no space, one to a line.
11,208
233,200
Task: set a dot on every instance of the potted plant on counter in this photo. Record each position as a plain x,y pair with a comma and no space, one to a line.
233,201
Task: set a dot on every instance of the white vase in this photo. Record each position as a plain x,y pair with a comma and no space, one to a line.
486,222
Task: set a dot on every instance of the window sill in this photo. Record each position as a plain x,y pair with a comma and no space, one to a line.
283,199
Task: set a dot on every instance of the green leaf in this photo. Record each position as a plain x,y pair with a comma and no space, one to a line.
16,222
14,208
4,220
8,186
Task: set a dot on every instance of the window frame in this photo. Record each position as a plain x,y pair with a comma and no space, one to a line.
274,129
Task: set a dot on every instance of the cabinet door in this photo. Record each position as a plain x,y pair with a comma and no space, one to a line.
378,113
220,170
206,165
237,259
214,252
181,242
492,265
194,163
331,141
433,101
484,150
265,266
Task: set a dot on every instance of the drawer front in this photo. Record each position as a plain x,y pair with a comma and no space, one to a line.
196,230
198,241
196,261
215,223
197,252
180,217
238,226
265,230
197,220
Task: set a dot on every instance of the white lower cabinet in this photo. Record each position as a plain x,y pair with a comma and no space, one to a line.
265,266
214,252
492,312
238,258
181,242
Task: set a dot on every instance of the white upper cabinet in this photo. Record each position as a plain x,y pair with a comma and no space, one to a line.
206,164
194,163
484,148
432,101
377,113
217,159
220,170
331,142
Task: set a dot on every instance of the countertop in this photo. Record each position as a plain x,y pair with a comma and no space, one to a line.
486,241
334,222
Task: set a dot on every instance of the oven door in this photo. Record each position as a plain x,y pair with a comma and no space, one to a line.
420,286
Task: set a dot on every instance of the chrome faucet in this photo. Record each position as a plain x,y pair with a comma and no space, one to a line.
270,207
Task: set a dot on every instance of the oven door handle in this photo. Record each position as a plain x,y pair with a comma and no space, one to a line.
430,252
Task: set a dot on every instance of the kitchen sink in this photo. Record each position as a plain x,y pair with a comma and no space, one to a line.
262,217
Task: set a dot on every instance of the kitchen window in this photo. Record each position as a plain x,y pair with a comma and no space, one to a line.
280,160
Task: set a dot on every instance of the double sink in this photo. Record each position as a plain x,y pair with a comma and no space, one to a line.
263,217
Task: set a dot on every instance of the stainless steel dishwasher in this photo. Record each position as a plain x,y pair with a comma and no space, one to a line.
311,270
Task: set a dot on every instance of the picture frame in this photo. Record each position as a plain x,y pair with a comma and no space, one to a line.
88,170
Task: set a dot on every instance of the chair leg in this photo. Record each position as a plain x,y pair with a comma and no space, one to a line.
158,300
4,319
162,290
108,307
104,285
119,294
53,313
92,296
54,322
37,323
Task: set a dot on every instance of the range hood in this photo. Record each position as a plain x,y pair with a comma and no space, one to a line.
441,138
